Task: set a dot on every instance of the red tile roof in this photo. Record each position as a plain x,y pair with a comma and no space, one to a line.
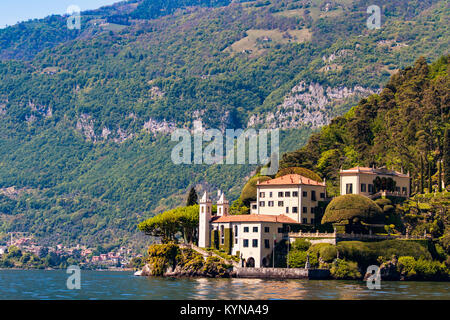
295,179
254,218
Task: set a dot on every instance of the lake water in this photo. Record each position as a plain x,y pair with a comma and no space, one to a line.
105,285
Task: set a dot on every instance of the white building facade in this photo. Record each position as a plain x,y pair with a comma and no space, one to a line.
360,180
281,203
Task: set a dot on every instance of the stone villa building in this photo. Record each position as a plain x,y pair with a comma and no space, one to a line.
360,180
282,202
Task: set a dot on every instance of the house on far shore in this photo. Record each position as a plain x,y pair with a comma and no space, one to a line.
281,203
362,180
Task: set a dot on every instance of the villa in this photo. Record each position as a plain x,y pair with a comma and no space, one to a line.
282,202
361,180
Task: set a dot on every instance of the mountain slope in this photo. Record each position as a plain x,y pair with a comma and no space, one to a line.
85,115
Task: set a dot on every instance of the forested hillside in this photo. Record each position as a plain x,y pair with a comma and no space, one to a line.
85,115
403,127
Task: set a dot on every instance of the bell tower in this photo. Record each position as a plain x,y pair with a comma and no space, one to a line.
204,232
223,205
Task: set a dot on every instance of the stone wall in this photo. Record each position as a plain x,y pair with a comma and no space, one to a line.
281,273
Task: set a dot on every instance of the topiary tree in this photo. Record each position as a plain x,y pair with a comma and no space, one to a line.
350,207
301,171
248,193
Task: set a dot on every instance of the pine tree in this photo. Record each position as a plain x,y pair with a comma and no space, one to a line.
192,197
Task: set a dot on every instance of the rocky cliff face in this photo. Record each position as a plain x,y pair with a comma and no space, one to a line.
308,104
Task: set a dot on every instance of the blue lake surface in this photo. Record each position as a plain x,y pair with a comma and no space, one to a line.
108,285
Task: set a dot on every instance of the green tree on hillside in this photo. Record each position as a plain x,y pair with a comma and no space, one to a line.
192,197
446,157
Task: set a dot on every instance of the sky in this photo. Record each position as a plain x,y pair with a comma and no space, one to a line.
13,11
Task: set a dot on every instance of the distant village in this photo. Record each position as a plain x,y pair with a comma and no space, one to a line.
84,256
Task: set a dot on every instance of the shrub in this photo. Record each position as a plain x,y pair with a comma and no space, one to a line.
195,264
445,242
162,256
214,267
431,270
406,266
297,259
326,251
356,251
301,245
422,269
343,269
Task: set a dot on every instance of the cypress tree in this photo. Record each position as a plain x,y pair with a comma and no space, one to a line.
192,198
440,177
430,185
421,175
447,158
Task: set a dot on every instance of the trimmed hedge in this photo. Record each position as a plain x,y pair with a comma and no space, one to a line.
301,245
215,239
367,253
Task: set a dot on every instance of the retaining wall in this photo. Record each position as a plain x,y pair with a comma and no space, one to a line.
281,273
